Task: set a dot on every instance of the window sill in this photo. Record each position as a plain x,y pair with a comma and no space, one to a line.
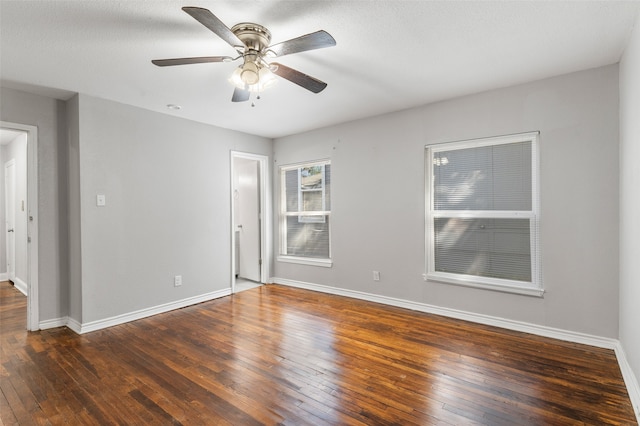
504,286
325,263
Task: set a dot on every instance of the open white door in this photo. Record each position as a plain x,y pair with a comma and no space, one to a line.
247,214
251,241
10,216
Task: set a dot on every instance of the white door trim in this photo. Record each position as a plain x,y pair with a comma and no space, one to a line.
33,312
265,220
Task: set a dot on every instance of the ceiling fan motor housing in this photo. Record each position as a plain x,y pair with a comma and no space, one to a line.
256,39
254,36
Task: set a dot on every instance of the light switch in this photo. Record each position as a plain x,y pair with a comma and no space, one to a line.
101,200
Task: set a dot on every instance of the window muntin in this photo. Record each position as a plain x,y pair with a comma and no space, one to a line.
482,213
305,212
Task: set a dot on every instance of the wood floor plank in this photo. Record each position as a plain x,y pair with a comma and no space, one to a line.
276,355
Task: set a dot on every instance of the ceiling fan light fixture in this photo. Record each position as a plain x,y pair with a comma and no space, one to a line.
236,80
249,73
265,79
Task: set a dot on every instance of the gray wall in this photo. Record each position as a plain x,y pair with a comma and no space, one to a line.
378,199
49,115
167,182
630,202
167,186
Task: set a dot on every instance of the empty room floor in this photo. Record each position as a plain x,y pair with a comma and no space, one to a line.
279,355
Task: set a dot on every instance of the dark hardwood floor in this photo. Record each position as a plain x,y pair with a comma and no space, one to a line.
278,355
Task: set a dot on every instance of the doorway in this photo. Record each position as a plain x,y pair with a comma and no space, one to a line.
249,234
19,224
10,224
14,257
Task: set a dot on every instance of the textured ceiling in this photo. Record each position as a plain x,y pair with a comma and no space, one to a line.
390,55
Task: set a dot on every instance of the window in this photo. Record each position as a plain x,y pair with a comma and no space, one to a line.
305,211
482,213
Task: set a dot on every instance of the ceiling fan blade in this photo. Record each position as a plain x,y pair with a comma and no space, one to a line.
186,61
317,40
301,79
240,95
211,21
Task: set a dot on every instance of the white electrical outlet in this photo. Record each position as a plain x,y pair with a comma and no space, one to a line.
376,275
177,281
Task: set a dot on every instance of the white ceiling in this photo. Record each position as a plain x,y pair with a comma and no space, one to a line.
390,55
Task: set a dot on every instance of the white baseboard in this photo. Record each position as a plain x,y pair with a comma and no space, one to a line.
143,313
4,276
74,325
87,327
54,323
20,285
570,336
630,380
555,333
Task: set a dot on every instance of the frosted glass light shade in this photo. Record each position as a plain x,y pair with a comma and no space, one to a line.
264,78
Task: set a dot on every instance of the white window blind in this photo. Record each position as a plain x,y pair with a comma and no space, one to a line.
482,213
305,211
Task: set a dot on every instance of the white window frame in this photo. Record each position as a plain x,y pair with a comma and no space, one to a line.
311,261
533,288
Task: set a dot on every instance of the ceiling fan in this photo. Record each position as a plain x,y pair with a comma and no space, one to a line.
251,41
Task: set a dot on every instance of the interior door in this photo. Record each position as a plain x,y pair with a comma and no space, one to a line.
247,210
10,217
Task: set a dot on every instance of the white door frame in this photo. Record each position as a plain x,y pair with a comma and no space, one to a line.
265,219
33,312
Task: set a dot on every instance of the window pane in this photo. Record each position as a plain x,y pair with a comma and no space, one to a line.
497,248
308,236
291,190
494,177
311,177
312,201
